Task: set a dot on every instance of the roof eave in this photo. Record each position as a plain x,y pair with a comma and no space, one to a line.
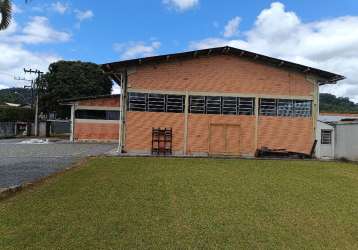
327,77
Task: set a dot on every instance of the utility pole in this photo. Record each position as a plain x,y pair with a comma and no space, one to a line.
35,85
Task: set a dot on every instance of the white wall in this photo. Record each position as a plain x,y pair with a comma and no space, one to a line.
347,141
324,151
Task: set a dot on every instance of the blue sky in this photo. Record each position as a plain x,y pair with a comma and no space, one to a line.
317,33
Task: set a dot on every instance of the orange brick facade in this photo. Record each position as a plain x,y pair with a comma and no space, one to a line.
201,134
87,130
101,102
221,74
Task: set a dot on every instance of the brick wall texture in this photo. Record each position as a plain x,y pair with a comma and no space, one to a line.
213,134
104,102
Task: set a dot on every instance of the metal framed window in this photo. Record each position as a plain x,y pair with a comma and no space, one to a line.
97,114
197,104
137,102
246,106
156,103
302,108
229,105
284,107
175,103
213,105
268,107
326,137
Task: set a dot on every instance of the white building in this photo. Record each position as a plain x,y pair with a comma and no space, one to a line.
337,138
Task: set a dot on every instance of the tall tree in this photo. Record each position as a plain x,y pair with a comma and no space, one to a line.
5,10
71,79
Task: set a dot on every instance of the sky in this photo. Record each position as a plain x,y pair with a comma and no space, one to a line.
322,34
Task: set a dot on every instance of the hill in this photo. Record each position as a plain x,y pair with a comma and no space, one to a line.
15,95
331,103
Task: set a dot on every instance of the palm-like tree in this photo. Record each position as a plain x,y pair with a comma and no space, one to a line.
5,10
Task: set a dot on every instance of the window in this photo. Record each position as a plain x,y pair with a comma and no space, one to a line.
284,107
302,108
268,107
175,103
213,105
137,102
197,104
288,108
229,105
326,137
246,106
156,103
97,114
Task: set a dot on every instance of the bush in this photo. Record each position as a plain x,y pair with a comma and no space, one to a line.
12,114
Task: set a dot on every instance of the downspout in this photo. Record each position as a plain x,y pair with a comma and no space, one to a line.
123,110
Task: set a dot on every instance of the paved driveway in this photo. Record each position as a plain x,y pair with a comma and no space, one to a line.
23,161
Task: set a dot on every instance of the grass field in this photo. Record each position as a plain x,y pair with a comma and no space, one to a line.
147,203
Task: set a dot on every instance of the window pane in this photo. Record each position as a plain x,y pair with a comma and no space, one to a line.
229,105
268,107
156,103
112,115
213,105
284,107
302,108
137,102
326,136
97,114
197,104
246,106
175,103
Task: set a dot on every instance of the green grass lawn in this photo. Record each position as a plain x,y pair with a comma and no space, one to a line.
148,203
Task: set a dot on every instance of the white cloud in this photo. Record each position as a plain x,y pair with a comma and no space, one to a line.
181,5
3,87
232,27
116,89
84,15
15,58
133,50
36,31
330,44
14,55
60,7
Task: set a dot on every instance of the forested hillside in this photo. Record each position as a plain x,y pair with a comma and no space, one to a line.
331,103
15,95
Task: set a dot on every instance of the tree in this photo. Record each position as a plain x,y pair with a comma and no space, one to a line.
6,13
71,79
5,10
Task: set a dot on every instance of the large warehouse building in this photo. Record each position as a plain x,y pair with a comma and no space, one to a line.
220,101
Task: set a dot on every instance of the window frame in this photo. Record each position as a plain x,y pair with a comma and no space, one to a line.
105,116
326,132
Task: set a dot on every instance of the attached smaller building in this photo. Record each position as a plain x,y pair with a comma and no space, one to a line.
95,118
337,139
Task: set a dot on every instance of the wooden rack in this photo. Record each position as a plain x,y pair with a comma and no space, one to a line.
162,141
